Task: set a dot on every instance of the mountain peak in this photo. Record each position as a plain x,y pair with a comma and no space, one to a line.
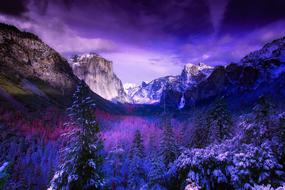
10,30
91,55
193,73
273,50
198,67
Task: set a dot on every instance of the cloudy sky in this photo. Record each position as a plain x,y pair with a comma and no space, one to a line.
146,39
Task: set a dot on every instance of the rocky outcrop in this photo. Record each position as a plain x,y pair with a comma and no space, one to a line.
31,71
27,55
193,74
98,74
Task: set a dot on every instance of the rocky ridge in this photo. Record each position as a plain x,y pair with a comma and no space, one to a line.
31,72
261,72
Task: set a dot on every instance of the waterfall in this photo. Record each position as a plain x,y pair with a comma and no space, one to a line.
182,102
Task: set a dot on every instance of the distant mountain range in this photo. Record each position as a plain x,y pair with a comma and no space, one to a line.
261,72
33,76
149,93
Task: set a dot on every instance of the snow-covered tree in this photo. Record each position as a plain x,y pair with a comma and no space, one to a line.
156,171
262,123
157,168
219,122
282,132
168,145
230,165
137,148
82,157
137,176
115,162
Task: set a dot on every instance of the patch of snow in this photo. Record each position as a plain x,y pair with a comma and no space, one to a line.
130,85
276,71
4,166
130,88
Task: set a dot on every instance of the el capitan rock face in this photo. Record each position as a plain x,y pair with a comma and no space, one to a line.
98,74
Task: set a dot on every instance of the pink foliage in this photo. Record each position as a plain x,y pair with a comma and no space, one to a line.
120,129
48,124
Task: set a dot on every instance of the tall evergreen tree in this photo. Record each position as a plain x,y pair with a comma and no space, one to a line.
115,162
282,129
261,125
157,168
219,122
137,174
199,136
168,145
137,148
263,112
82,157
281,133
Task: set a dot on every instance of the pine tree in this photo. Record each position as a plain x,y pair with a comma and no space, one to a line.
281,133
282,129
219,122
157,168
261,124
136,171
82,166
263,111
137,148
115,163
199,138
168,146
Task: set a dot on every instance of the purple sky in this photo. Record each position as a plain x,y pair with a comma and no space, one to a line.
147,39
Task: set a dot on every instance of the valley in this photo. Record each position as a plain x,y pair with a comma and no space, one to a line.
210,127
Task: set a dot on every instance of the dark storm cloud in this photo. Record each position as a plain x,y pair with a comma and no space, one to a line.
151,38
246,15
149,19
13,7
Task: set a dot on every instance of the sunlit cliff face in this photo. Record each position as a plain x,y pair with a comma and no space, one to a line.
149,39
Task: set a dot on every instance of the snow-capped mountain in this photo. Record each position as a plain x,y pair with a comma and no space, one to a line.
130,88
149,93
268,60
270,51
260,73
193,74
98,74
